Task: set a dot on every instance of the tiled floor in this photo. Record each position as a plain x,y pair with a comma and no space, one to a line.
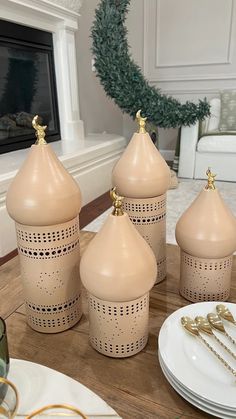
178,200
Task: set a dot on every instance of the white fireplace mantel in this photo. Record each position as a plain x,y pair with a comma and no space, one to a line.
62,22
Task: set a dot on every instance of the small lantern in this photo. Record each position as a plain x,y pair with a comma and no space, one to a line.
206,234
143,177
118,269
45,201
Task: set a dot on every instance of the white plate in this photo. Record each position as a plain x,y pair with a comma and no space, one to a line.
219,413
200,400
39,386
191,363
200,403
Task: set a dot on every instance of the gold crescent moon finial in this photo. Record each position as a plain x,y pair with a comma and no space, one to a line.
116,202
40,131
211,179
141,122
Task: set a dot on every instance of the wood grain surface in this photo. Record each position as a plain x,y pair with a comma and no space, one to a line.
135,387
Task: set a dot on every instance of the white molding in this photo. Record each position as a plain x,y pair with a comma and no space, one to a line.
26,12
73,5
157,74
230,44
193,77
192,64
199,64
197,91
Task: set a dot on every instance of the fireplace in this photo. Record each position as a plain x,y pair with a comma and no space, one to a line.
59,19
27,85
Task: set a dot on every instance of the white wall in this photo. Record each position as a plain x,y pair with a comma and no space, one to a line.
98,112
186,48
189,48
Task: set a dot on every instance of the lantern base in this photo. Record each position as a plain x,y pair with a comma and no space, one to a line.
118,329
49,259
149,217
54,318
205,279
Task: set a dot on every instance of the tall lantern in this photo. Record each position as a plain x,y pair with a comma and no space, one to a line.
206,234
45,202
143,177
118,269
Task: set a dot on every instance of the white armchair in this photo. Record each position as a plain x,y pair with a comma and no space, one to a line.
213,149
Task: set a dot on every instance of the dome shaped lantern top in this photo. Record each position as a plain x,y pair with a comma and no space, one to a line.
118,265
207,229
43,192
141,171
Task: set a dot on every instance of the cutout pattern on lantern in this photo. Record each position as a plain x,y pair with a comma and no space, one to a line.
149,217
119,329
50,273
48,253
61,321
199,278
49,236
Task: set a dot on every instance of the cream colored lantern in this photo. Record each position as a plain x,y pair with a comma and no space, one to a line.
206,234
45,202
118,269
143,177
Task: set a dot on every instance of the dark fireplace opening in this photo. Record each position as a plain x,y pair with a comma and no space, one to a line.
27,85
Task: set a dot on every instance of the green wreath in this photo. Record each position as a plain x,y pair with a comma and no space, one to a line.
123,80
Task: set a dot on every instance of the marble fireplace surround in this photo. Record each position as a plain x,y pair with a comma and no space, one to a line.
89,159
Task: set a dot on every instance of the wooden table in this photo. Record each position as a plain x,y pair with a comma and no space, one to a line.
135,387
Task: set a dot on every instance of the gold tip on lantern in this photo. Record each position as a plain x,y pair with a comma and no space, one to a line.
210,180
141,122
116,202
40,131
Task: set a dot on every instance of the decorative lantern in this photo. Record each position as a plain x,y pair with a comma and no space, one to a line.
45,201
118,269
143,177
206,234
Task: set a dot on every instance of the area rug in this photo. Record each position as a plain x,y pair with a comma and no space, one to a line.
178,200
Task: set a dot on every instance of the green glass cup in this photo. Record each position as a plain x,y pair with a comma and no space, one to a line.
8,392
4,354
4,357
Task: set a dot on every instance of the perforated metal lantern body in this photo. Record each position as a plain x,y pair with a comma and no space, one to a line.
45,201
206,234
118,269
143,177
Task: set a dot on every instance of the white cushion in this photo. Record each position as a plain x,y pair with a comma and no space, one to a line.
217,144
214,120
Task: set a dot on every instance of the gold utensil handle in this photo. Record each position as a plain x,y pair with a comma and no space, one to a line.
225,347
230,338
229,368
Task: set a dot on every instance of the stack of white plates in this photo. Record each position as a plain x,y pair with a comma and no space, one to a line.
192,370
